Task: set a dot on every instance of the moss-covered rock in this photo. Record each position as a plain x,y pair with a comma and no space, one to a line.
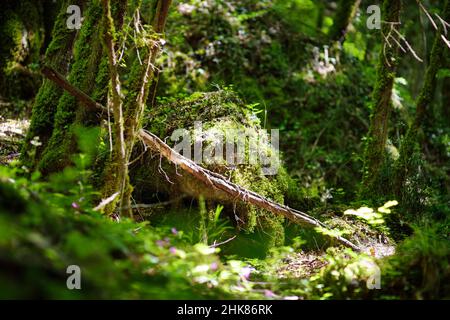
221,114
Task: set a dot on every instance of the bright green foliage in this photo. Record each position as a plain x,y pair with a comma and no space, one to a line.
45,227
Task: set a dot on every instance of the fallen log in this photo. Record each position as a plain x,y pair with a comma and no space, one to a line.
233,190
212,179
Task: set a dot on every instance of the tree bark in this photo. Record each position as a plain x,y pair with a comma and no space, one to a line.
58,56
378,131
423,111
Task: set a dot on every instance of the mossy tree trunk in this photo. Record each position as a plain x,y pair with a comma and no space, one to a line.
86,74
378,132
83,59
131,107
345,13
58,56
139,92
423,108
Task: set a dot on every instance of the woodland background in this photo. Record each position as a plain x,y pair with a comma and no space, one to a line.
364,124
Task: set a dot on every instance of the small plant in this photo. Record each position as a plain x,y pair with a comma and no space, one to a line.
370,216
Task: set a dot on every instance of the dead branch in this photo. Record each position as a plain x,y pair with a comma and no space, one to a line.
444,23
234,191
215,245
428,15
408,45
59,80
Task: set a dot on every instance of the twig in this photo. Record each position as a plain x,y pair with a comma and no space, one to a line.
445,40
155,205
427,14
408,45
444,23
215,245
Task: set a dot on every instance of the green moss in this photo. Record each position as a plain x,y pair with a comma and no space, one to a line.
219,112
87,57
375,155
58,56
182,112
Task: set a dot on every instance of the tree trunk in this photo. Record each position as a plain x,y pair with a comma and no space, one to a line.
411,141
58,56
84,71
57,116
138,86
346,12
378,131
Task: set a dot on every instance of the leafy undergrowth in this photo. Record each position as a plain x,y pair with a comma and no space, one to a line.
46,227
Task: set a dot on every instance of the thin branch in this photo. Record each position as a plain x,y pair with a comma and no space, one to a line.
156,205
445,41
408,45
232,190
399,44
427,14
215,245
444,23
57,78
